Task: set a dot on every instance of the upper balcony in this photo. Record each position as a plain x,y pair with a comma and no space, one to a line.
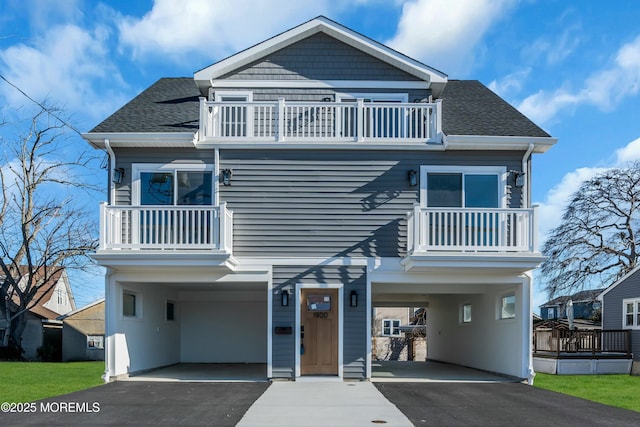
472,238
286,121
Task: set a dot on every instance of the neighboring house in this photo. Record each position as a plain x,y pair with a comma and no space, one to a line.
258,211
83,333
621,310
393,337
54,299
585,306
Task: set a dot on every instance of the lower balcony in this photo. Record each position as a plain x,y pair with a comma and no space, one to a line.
472,238
131,233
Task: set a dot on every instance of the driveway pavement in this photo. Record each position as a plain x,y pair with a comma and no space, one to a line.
339,403
506,404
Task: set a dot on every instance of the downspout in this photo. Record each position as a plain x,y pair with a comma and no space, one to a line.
528,278
112,166
525,187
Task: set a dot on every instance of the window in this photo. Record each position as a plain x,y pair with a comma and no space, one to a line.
507,309
95,342
391,327
171,311
463,187
129,304
631,313
465,313
383,120
176,187
551,313
60,294
235,119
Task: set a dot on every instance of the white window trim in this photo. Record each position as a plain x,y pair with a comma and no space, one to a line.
101,342
635,302
462,320
501,171
391,328
219,94
499,307
374,96
138,306
138,168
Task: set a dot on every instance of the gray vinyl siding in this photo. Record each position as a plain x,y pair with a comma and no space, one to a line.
354,318
125,157
612,309
320,203
308,59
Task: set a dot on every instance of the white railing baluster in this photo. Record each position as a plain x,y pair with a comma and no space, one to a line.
472,229
320,121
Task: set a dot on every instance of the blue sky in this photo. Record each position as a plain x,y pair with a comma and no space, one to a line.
571,66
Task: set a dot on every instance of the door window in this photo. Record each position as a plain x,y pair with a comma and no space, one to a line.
462,190
176,187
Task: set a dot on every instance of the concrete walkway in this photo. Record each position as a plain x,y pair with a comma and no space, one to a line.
322,404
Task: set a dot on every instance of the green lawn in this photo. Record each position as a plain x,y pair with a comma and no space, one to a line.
622,391
29,381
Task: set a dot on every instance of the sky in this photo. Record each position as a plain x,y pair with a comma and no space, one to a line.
572,66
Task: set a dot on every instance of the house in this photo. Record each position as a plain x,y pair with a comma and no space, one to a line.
259,210
43,332
621,311
396,336
585,306
83,333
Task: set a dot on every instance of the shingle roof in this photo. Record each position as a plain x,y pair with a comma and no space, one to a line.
171,105
470,108
586,295
168,105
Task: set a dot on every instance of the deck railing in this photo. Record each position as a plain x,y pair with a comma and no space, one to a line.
587,343
320,121
471,230
166,227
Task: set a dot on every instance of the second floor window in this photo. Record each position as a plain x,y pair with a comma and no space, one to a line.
631,313
174,185
459,187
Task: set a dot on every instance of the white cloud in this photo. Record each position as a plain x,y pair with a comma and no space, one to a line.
510,84
604,89
212,28
444,33
65,66
628,153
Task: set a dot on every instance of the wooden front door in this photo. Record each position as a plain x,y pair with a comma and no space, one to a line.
319,332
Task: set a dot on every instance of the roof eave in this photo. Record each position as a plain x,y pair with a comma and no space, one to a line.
491,142
140,139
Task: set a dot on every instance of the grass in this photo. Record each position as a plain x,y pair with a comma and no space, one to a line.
29,381
622,391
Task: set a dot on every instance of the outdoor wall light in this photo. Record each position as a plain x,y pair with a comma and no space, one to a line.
284,298
118,174
225,177
413,178
353,299
519,178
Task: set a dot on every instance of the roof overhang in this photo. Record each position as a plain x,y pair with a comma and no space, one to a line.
436,79
140,139
482,142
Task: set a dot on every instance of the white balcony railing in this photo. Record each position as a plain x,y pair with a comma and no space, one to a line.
471,230
320,121
166,227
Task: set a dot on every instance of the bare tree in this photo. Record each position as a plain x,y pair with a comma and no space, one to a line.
597,241
44,224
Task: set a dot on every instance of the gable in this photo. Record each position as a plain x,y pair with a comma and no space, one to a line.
432,78
627,287
319,57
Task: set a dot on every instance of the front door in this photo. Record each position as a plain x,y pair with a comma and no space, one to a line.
319,332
